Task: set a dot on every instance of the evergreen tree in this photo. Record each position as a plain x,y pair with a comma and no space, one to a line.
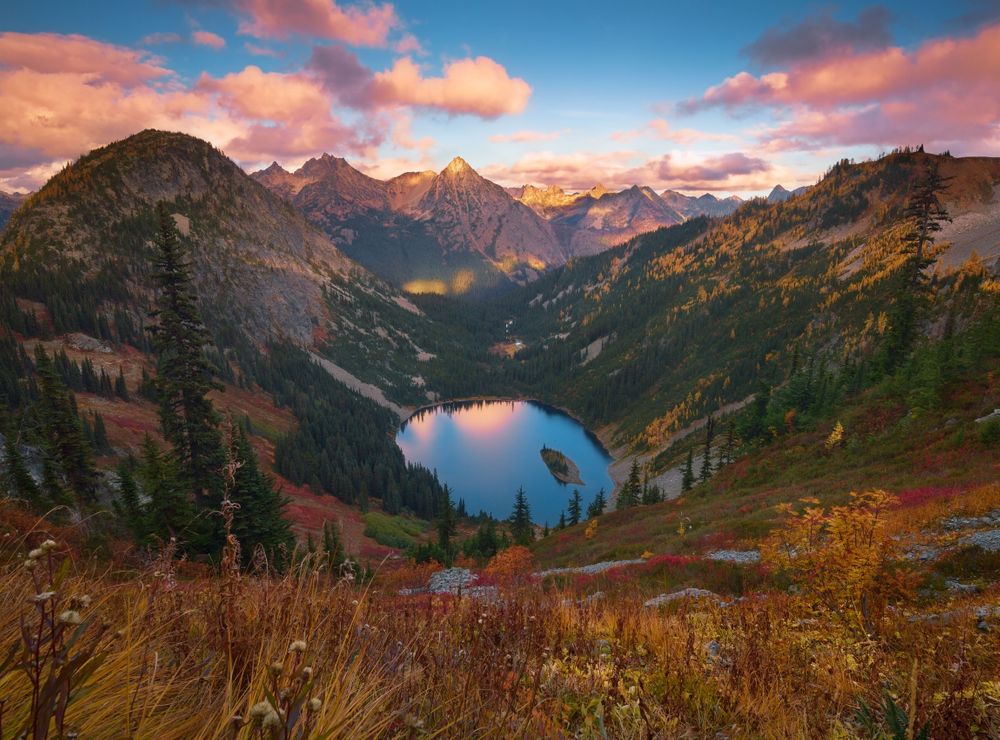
66,448
729,449
925,213
169,512
632,490
446,524
121,389
127,504
520,520
259,520
100,434
333,546
562,520
706,460
651,494
545,530
575,508
687,481
184,375
598,505
17,478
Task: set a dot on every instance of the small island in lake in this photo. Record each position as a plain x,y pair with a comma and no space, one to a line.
562,468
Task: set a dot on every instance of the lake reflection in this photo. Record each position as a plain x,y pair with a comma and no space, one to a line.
484,450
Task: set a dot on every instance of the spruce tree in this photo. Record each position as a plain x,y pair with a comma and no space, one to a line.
575,508
687,481
17,478
169,512
446,524
706,460
632,490
184,375
65,445
598,505
520,520
333,546
127,504
260,519
562,520
651,494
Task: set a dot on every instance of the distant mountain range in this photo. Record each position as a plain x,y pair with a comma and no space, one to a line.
456,232
9,202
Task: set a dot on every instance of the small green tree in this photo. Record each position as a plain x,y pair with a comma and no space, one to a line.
706,460
598,505
521,528
575,507
446,523
632,490
333,546
687,481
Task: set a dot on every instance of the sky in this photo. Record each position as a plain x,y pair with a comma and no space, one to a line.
722,97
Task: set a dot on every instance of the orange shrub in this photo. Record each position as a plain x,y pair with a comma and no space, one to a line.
513,561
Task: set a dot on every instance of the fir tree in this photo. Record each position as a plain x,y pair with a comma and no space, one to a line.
17,479
632,490
575,508
259,520
729,449
446,524
100,434
333,546
687,481
706,460
598,505
127,504
66,446
169,512
184,375
562,520
520,520
651,494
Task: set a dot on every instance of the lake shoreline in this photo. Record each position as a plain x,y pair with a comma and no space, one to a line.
572,475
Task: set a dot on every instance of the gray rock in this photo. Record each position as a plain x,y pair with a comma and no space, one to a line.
591,569
451,580
988,539
743,557
963,588
995,414
684,593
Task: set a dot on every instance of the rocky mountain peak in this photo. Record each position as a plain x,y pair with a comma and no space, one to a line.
457,166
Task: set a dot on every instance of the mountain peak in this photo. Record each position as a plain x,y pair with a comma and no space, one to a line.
457,166
597,191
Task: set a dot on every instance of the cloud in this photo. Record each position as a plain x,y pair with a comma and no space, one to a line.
207,38
660,128
261,51
524,136
821,35
53,52
409,44
735,171
369,25
154,39
944,92
477,86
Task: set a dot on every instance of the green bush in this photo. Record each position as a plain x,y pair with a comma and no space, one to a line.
393,531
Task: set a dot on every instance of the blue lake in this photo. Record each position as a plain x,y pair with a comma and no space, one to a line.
485,450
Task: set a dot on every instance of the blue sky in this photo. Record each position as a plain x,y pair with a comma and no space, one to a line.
564,93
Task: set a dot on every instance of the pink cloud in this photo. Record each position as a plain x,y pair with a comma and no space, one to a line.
522,137
731,172
274,96
660,128
360,26
260,51
409,44
945,91
207,38
154,39
53,52
477,86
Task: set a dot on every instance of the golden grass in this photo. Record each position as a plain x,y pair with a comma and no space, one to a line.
189,653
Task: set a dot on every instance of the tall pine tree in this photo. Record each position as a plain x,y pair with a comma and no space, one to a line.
184,377
575,507
520,520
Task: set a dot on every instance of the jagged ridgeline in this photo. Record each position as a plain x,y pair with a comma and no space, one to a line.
688,320
81,246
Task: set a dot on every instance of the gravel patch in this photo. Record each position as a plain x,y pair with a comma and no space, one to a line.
589,569
968,522
744,557
988,539
684,593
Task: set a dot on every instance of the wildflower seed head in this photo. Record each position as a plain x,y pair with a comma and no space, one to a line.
36,553
42,597
80,602
260,710
315,703
307,673
276,668
299,646
30,564
271,721
70,616
49,545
